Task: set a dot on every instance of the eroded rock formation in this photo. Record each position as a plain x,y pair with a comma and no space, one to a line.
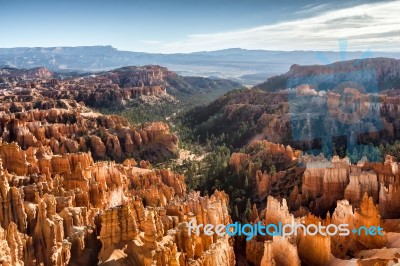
63,203
55,207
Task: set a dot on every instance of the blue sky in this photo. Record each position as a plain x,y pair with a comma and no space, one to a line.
187,26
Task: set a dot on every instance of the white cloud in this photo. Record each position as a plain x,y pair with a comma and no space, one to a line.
368,26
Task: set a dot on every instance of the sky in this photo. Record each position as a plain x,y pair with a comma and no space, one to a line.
181,26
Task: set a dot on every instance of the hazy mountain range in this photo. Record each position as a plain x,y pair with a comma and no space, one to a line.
246,66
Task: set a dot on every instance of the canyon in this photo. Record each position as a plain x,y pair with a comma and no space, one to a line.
73,194
323,191
81,187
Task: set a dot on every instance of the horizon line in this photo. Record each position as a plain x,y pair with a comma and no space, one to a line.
201,51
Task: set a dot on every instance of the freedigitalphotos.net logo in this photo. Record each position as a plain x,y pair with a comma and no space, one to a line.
284,230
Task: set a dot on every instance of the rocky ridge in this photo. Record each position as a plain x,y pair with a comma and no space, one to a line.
34,120
381,73
149,84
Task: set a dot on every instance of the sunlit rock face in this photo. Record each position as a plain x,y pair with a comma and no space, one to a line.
63,203
320,249
324,182
72,131
71,209
340,193
331,191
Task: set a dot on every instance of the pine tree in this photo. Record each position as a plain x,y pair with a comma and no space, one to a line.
235,213
272,170
246,182
247,212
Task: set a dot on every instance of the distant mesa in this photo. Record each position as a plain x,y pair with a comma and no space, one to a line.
374,74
